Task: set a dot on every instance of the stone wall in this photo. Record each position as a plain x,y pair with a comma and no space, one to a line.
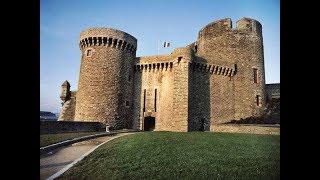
222,99
180,93
273,91
168,76
137,100
50,127
68,108
199,101
154,74
252,129
199,93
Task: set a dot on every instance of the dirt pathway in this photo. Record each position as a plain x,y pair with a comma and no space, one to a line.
54,161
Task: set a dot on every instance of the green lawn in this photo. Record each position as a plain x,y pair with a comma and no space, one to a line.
193,155
47,139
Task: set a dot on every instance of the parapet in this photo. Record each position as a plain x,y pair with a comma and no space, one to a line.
152,59
250,25
108,37
216,28
223,26
183,51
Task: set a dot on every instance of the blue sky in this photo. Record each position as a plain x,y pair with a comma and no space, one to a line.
150,21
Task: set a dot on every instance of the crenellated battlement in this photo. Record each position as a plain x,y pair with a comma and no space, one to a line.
108,37
251,25
213,68
215,28
223,26
195,66
153,66
108,42
183,51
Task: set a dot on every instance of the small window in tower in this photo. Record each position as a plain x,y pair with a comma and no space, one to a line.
89,52
255,75
179,58
155,100
258,100
129,78
144,100
127,103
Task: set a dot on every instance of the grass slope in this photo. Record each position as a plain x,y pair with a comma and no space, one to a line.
195,155
47,139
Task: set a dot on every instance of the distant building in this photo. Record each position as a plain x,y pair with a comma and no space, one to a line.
273,91
46,115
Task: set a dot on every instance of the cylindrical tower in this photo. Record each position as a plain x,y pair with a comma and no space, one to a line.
105,82
252,64
242,48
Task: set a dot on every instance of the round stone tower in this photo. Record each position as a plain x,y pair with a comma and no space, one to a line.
105,88
242,47
251,64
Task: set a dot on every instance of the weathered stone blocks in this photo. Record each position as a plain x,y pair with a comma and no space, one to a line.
218,78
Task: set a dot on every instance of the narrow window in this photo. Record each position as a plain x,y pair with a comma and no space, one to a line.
127,103
144,101
155,100
258,100
89,52
255,75
129,78
179,58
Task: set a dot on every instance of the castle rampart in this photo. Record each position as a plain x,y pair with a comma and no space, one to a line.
108,36
218,78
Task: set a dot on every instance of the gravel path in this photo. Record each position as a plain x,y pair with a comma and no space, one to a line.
55,160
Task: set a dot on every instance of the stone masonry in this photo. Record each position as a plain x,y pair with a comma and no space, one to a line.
273,91
68,101
218,78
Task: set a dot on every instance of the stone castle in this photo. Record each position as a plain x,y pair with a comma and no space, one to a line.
214,80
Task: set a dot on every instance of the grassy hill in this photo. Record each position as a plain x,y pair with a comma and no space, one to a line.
193,155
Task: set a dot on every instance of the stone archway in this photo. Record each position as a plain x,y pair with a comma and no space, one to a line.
149,123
